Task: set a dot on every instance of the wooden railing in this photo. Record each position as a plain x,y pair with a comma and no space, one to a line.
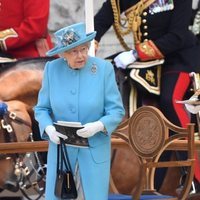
42,146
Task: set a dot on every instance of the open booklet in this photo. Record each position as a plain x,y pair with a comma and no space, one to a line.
69,129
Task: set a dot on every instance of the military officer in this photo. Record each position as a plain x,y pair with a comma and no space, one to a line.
160,31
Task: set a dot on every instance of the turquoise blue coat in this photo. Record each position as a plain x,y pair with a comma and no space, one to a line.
85,95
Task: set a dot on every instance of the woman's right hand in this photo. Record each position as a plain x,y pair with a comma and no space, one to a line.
54,135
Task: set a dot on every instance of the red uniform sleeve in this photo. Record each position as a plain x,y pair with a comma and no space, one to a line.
148,51
32,27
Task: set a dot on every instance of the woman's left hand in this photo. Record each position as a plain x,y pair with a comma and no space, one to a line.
90,129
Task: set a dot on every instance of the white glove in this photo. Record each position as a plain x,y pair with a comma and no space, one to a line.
90,129
125,58
54,135
192,108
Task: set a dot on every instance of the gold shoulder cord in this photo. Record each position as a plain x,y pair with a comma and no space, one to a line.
132,19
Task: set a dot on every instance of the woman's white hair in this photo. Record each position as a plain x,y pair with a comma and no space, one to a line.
87,44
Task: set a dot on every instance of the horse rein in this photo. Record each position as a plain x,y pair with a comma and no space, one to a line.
7,118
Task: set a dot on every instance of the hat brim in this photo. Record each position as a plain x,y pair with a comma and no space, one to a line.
57,50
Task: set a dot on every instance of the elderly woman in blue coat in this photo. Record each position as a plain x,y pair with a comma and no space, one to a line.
79,88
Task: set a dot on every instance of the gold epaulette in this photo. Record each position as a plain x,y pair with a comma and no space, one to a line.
5,34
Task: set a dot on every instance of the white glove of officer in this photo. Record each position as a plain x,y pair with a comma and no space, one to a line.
90,129
125,58
54,135
194,109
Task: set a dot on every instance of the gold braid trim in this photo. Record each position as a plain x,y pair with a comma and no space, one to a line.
133,21
5,34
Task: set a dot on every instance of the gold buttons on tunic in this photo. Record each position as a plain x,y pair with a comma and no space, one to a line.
144,13
144,21
144,26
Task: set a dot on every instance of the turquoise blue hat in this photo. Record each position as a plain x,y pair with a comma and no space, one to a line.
70,37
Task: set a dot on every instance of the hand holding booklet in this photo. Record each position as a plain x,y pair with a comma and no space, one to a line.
69,129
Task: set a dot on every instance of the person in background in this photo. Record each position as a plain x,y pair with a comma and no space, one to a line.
160,31
23,28
79,88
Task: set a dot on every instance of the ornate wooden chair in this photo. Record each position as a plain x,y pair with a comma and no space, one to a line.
148,136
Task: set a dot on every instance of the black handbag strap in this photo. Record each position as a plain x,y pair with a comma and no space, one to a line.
59,159
62,157
65,156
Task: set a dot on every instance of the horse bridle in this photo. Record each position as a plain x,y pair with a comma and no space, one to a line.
7,118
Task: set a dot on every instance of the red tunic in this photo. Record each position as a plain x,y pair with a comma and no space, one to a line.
23,28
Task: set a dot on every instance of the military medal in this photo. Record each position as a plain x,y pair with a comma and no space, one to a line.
161,6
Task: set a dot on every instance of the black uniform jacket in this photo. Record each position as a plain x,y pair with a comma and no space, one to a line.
168,30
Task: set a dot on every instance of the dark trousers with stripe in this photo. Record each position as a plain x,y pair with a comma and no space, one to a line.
174,86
